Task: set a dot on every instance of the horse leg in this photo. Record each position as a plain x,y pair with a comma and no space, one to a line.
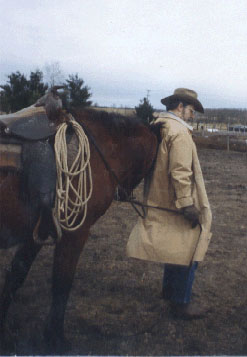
66,257
15,277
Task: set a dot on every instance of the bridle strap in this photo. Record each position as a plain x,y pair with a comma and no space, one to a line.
156,207
134,203
108,167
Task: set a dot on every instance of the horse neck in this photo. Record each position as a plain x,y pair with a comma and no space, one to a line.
141,152
117,156
134,156
124,163
109,147
124,154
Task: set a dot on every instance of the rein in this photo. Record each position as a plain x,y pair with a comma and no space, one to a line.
138,203
142,213
108,167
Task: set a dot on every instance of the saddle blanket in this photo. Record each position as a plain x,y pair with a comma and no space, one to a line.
10,156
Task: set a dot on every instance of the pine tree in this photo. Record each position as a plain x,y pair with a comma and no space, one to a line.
145,110
78,93
20,92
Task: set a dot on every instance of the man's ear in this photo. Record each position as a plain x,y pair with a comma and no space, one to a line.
180,107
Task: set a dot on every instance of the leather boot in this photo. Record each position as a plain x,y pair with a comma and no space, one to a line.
188,311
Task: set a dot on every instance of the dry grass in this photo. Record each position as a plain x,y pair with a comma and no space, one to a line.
122,111
219,142
115,307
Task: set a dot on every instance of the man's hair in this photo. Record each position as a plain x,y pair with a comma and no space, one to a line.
174,104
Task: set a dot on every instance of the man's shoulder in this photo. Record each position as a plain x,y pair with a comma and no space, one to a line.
171,125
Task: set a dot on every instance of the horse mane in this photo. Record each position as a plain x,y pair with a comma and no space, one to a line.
115,123
156,129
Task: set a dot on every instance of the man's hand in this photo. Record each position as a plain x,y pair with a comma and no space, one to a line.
191,213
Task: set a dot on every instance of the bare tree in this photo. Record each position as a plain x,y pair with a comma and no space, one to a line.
53,74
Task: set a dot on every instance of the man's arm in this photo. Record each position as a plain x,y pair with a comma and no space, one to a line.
180,169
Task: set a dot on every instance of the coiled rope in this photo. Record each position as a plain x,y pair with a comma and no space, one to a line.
74,184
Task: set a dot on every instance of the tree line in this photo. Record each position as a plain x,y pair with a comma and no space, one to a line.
20,92
212,116
223,116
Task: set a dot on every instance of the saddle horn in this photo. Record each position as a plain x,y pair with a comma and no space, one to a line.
51,100
51,92
54,89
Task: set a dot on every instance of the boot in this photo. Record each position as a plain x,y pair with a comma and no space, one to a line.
188,311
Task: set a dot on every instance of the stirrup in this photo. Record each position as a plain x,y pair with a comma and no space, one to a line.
49,240
57,226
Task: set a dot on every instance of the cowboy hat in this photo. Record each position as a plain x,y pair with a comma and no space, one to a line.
187,95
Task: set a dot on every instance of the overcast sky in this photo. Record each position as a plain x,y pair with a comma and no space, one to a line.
123,48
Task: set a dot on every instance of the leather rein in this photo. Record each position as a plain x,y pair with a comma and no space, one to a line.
134,203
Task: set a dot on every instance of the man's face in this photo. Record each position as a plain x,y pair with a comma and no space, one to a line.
188,112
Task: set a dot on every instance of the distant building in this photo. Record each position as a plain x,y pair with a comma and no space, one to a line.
212,130
238,128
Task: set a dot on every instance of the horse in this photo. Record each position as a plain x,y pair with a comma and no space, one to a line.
123,151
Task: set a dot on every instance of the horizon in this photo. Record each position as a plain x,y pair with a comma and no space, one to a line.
126,49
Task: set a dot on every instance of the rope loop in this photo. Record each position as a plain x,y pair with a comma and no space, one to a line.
74,181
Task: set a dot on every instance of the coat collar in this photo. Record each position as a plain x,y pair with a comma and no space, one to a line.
173,116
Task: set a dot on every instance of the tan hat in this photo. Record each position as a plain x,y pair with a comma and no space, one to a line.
188,95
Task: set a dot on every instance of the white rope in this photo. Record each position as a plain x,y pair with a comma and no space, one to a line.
74,184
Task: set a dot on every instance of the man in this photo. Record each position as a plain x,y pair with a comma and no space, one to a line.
177,235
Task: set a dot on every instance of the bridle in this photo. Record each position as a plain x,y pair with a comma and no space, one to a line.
134,203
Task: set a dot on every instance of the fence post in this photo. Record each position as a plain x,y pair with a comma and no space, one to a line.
228,142
228,138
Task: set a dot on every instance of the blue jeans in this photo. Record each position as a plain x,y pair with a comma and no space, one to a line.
178,281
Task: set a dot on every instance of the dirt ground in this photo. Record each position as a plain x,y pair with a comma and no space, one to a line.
115,307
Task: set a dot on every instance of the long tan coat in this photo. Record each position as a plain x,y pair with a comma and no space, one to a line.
176,182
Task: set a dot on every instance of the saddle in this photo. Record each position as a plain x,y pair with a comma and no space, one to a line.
24,146
30,123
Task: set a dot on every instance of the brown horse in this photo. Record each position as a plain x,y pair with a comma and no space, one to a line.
129,147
